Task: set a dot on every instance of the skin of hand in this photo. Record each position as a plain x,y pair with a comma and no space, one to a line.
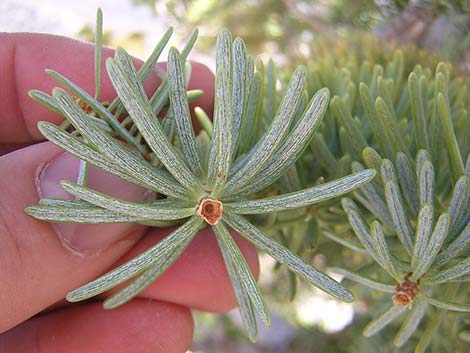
40,262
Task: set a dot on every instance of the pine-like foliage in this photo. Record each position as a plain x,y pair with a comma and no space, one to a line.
276,149
217,178
407,117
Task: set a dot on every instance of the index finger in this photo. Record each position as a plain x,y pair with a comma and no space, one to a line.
25,56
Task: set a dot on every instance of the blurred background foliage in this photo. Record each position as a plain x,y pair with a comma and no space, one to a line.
281,28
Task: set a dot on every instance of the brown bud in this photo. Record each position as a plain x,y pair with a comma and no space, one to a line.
210,210
406,292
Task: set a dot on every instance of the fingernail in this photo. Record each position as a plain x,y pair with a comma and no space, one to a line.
87,239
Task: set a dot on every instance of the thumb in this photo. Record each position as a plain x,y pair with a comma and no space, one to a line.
40,262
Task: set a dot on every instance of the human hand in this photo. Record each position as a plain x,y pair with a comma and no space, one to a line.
40,262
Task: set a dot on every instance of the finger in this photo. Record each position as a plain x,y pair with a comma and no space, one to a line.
198,279
7,148
140,326
39,261
25,56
